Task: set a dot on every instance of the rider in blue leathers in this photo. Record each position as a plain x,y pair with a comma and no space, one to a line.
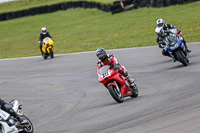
162,31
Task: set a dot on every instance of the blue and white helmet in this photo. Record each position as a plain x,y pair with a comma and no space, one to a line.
160,22
159,31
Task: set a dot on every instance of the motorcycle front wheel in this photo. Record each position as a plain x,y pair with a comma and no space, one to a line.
51,52
182,58
117,95
28,129
135,91
45,56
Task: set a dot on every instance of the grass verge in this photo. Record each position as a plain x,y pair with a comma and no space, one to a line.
78,30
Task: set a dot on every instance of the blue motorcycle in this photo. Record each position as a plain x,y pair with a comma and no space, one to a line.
176,49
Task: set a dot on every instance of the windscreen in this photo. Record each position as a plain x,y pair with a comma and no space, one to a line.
172,40
104,69
46,38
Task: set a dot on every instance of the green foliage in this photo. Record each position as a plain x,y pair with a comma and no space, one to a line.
78,30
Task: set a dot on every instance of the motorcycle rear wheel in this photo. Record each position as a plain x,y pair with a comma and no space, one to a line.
28,129
117,95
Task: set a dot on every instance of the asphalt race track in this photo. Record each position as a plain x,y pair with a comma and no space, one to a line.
63,95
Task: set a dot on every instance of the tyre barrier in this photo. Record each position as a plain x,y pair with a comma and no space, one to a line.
116,7
53,8
124,5
161,3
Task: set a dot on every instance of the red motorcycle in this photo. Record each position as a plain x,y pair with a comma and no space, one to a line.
117,85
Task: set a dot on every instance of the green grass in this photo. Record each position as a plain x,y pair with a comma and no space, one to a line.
78,30
26,4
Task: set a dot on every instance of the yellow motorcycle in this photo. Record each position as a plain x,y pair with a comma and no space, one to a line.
47,47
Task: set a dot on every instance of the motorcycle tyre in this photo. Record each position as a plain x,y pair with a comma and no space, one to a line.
182,59
45,56
135,92
115,96
25,130
51,52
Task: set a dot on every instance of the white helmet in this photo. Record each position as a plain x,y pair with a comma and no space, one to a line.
44,30
159,31
160,22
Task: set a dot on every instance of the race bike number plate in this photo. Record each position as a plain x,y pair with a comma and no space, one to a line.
105,75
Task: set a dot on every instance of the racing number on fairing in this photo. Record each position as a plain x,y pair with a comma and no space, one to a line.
105,75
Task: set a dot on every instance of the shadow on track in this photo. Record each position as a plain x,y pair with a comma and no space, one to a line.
176,67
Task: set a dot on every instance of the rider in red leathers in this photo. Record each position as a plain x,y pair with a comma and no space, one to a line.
107,59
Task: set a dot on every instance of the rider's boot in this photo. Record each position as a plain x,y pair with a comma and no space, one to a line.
128,77
188,50
184,42
130,80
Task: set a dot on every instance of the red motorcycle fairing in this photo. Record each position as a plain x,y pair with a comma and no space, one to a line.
111,77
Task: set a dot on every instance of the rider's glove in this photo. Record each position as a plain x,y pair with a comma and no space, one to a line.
8,108
40,42
115,67
1,102
165,49
161,44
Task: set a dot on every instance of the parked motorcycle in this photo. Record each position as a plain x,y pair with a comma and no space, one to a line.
117,85
9,124
176,48
47,47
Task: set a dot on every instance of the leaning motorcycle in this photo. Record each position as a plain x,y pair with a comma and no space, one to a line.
176,48
117,85
9,124
47,47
